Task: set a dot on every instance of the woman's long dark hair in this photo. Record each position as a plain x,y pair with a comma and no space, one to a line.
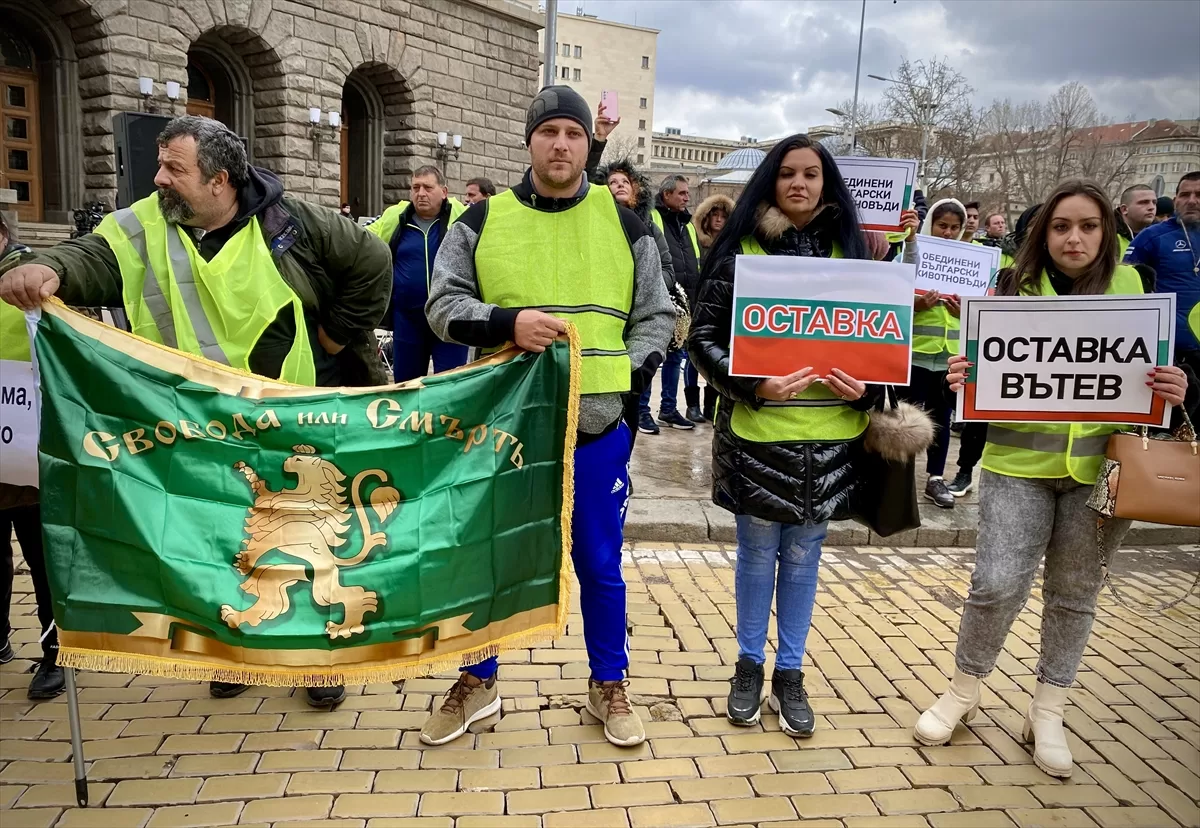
1033,258
761,189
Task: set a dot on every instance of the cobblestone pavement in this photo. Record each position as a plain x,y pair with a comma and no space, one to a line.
161,753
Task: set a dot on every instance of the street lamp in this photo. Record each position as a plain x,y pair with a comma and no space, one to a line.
927,110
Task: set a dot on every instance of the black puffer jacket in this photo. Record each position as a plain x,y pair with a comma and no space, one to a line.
795,483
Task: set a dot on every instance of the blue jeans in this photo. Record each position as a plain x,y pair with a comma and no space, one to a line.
670,385
414,343
798,550
597,531
691,377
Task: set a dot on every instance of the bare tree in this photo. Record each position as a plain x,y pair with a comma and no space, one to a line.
620,148
1032,146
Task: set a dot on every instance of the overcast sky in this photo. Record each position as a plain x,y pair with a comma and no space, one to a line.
768,68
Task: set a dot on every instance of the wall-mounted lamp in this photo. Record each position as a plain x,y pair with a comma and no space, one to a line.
172,94
146,87
448,145
335,125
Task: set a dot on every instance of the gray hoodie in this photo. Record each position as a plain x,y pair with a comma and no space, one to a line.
457,314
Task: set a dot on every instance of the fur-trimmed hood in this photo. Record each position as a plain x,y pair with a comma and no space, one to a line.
772,223
645,194
706,207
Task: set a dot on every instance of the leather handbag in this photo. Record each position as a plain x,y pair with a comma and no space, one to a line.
1151,478
887,479
1155,479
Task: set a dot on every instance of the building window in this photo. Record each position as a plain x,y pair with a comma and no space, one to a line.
641,158
575,75
645,61
641,141
578,51
566,73
566,50
642,124
642,103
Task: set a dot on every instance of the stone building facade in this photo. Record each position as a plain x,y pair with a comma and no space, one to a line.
398,72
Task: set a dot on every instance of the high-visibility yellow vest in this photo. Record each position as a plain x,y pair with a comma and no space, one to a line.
656,217
575,264
385,226
817,415
1122,245
217,309
14,339
1194,321
1053,450
934,331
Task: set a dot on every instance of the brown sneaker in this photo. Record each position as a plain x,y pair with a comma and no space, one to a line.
469,700
608,702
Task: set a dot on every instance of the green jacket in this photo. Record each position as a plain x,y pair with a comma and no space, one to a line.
342,274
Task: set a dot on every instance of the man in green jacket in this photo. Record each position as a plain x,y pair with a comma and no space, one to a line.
220,263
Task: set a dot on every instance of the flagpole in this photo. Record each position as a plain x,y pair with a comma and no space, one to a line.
81,783
550,47
862,21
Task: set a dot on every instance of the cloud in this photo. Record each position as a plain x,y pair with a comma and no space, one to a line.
766,68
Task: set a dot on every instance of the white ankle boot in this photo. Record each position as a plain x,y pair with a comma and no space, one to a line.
960,702
1044,727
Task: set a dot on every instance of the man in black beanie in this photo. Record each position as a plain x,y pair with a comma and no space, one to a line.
516,268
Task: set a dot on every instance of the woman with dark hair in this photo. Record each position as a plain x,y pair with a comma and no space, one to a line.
1037,479
935,339
784,448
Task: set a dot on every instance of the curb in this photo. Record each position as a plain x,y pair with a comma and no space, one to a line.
699,521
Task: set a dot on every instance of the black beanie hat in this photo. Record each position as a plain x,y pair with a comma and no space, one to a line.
1165,206
557,102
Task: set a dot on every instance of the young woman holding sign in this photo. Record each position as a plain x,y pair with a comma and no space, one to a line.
784,447
1033,500
935,338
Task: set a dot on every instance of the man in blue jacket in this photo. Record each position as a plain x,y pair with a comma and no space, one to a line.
414,230
1172,248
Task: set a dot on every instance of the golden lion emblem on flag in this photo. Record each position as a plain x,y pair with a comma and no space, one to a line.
308,523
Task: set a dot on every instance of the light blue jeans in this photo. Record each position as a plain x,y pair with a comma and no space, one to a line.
797,549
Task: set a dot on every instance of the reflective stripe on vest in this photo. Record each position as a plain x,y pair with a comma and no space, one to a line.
1053,450
934,331
656,217
817,415
217,309
575,264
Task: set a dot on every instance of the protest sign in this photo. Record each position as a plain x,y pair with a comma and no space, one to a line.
18,398
791,312
1081,359
881,189
211,524
956,267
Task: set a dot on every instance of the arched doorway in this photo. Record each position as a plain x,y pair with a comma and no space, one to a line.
377,109
219,83
20,153
362,146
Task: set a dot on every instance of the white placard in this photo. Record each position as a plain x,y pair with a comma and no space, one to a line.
18,424
881,189
954,267
1066,359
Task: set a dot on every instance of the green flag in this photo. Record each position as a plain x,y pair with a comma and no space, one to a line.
204,523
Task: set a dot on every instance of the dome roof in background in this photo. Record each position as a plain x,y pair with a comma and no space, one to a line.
746,158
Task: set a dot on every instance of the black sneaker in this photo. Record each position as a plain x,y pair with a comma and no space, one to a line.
744,705
789,700
936,491
226,689
646,424
672,419
326,697
49,680
961,484
6,652
695,415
